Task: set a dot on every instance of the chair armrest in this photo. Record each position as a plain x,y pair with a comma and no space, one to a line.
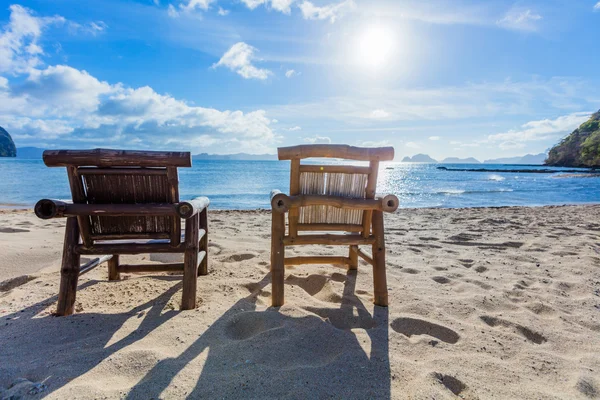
187,209
280,202
389,202
47,208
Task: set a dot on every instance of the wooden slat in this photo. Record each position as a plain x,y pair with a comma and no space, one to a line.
121,171
330,227
118,210
365,256
203,264
336,151
334,201
317,260
339,169
79,197
114,236
90,265
116,158
128,248
173,180
370,194
328,239
294,191
129,268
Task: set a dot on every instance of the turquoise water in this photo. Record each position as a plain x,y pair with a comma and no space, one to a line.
247,184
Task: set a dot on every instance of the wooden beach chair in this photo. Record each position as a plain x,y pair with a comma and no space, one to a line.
331,198
126,202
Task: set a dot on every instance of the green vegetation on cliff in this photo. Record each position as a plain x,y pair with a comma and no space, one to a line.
581,148
7,146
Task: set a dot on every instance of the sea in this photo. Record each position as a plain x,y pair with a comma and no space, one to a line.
242,185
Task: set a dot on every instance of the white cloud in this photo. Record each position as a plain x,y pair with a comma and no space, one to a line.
521,20
222,12
295,128
19,48
192,5
172,11
434,138
542,129
511,145
291,73
412,145
283,6
318,140
379,114
239,59
370,143
91,28
331,11
597,6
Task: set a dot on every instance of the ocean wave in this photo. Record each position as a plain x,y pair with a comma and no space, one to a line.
455,192
495,177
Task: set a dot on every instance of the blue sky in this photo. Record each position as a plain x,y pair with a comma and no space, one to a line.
447,78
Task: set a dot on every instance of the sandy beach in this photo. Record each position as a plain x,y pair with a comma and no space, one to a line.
488,303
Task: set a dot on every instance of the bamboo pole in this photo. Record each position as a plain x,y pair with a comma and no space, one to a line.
335,169
122,171
190,271
328,239
173,180
113,268
188,208
79,197
370,194
379,275
336,151
47,209
281,203
116,158
330,227
203,268
277,258
294,191
365,256
316,260
90,265
353,257
69,272
133,268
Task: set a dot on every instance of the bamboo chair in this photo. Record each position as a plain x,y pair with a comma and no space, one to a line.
331,198
126,202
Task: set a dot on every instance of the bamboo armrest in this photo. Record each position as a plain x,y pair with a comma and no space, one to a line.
389,202
282,203
187,209
47,208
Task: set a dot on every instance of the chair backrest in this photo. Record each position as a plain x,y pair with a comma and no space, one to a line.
103,176
348,181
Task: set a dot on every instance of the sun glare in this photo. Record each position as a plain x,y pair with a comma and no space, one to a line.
375,46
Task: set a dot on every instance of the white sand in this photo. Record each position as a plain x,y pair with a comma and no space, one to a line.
485,303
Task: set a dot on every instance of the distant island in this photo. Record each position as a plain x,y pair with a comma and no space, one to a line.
581,148
7,146
529,159
419,158
456,160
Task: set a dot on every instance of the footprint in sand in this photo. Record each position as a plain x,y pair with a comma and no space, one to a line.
249,324
13,230
318,286
481,269
527,333
410,271
450,382
240,257
588,388
414,326
441,279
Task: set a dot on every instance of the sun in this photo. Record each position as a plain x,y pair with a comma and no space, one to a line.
375,46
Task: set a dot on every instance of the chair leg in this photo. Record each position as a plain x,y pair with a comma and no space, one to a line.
203,268
353,254
190,263
113,268
277,258
379,275
69,272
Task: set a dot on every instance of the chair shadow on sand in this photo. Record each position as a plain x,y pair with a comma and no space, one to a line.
244,353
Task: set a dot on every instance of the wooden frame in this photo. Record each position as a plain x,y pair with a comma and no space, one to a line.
370,230
86,215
